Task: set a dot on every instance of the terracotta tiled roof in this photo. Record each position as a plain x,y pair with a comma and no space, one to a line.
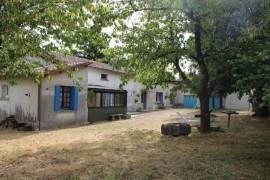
71,61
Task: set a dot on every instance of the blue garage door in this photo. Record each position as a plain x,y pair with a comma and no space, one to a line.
214,102
190,101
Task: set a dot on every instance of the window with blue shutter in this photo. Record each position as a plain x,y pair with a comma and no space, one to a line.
74,98
57,99
66,98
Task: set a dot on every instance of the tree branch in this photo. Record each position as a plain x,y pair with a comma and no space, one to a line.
181,72
207,52
189,14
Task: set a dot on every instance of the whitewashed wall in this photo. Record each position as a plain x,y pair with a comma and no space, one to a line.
94,78
179,99
50,118
166,100
166,92
22,101
134,94
133,89
233,102
114,81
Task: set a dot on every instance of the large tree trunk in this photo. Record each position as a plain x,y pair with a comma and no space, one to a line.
262,111
257,104
204,100
204,79
205,116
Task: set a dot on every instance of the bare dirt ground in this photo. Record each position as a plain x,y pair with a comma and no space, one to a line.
134,149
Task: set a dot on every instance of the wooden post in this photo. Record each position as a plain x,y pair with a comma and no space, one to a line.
229,120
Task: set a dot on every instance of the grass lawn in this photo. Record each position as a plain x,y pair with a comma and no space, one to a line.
135,149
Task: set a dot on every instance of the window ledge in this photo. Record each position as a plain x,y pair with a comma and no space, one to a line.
66,111
104,79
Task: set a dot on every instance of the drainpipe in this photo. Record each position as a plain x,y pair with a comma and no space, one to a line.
39,104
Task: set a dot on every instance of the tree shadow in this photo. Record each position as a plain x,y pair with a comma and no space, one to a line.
145,154
11,134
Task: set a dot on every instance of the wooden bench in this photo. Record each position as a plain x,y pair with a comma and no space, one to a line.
114,117
126,116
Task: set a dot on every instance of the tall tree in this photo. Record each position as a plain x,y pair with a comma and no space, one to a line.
36,27
171,33
251,68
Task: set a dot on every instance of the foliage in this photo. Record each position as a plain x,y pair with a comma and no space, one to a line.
162,37
191,38
92,40
37,27
251,67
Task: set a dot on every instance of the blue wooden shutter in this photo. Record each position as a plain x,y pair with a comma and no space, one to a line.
217,102
210,103
57,99
74,99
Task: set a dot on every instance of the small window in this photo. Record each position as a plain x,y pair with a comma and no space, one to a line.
104,77
5,91
66,97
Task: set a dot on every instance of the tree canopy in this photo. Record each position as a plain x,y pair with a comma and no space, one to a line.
251,69
196,39
37,27
214,46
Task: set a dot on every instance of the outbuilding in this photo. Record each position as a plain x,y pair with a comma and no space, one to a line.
54,102
105,97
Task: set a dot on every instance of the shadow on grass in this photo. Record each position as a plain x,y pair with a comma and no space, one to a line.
10,134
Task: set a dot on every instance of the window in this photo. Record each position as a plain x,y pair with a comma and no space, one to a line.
119,99
5,91
143,97
159,97
94,99
98,99
65,97
104,77
106,98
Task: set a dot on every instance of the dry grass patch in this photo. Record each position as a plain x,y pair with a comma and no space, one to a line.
240,153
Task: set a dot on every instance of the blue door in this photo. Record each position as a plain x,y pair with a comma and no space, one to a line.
214,102
211,104
190,101
217,102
